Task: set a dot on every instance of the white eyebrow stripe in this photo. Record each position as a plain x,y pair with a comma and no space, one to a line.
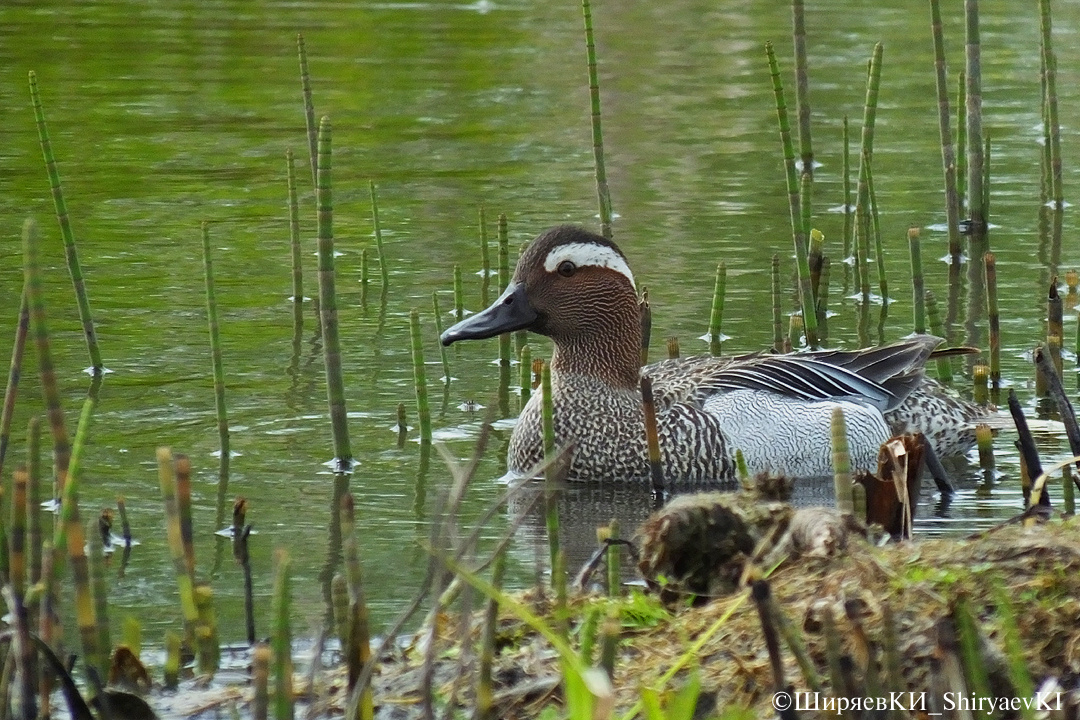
589,254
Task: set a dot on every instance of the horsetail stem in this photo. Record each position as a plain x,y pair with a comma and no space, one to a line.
309,110
384,266
806,294
973,68
438,330
918,286
173,524
485,261
260,682
815,257
182,466
17,563
328,314
603,195
281,639
172,660
551,503
35,297
219,378
365,277
459,295
848,251
673,345
1050,74
645,316
96,570
359,632
716,317
961,140
420,377
980,375
294,242
802,91
35,534
823,300
984,439
778,326
614,560
993,317
879,252
504,281
944,366
70,252
17,350
948,150
841,461
484,693
524,368
652,436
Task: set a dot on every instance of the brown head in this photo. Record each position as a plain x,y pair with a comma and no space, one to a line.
575,287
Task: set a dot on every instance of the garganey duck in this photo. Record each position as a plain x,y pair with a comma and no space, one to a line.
577,288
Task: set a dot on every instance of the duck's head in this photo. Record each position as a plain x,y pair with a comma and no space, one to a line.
575,287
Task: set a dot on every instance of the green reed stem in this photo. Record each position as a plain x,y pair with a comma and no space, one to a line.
863,200
384,265
294,243
1055,325
603,196
420,377
973,68
524,369
459,295
993,317
944,366
918,286
716,317
309,111
802,91
18,348
70,253
1050,70
948,150
281,638
862,234
777,306
335,382
219,378
207,642
438,330
841,460
986,180
99,587
485,262
547,414
806,293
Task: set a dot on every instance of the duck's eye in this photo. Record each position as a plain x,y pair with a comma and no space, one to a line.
567,268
